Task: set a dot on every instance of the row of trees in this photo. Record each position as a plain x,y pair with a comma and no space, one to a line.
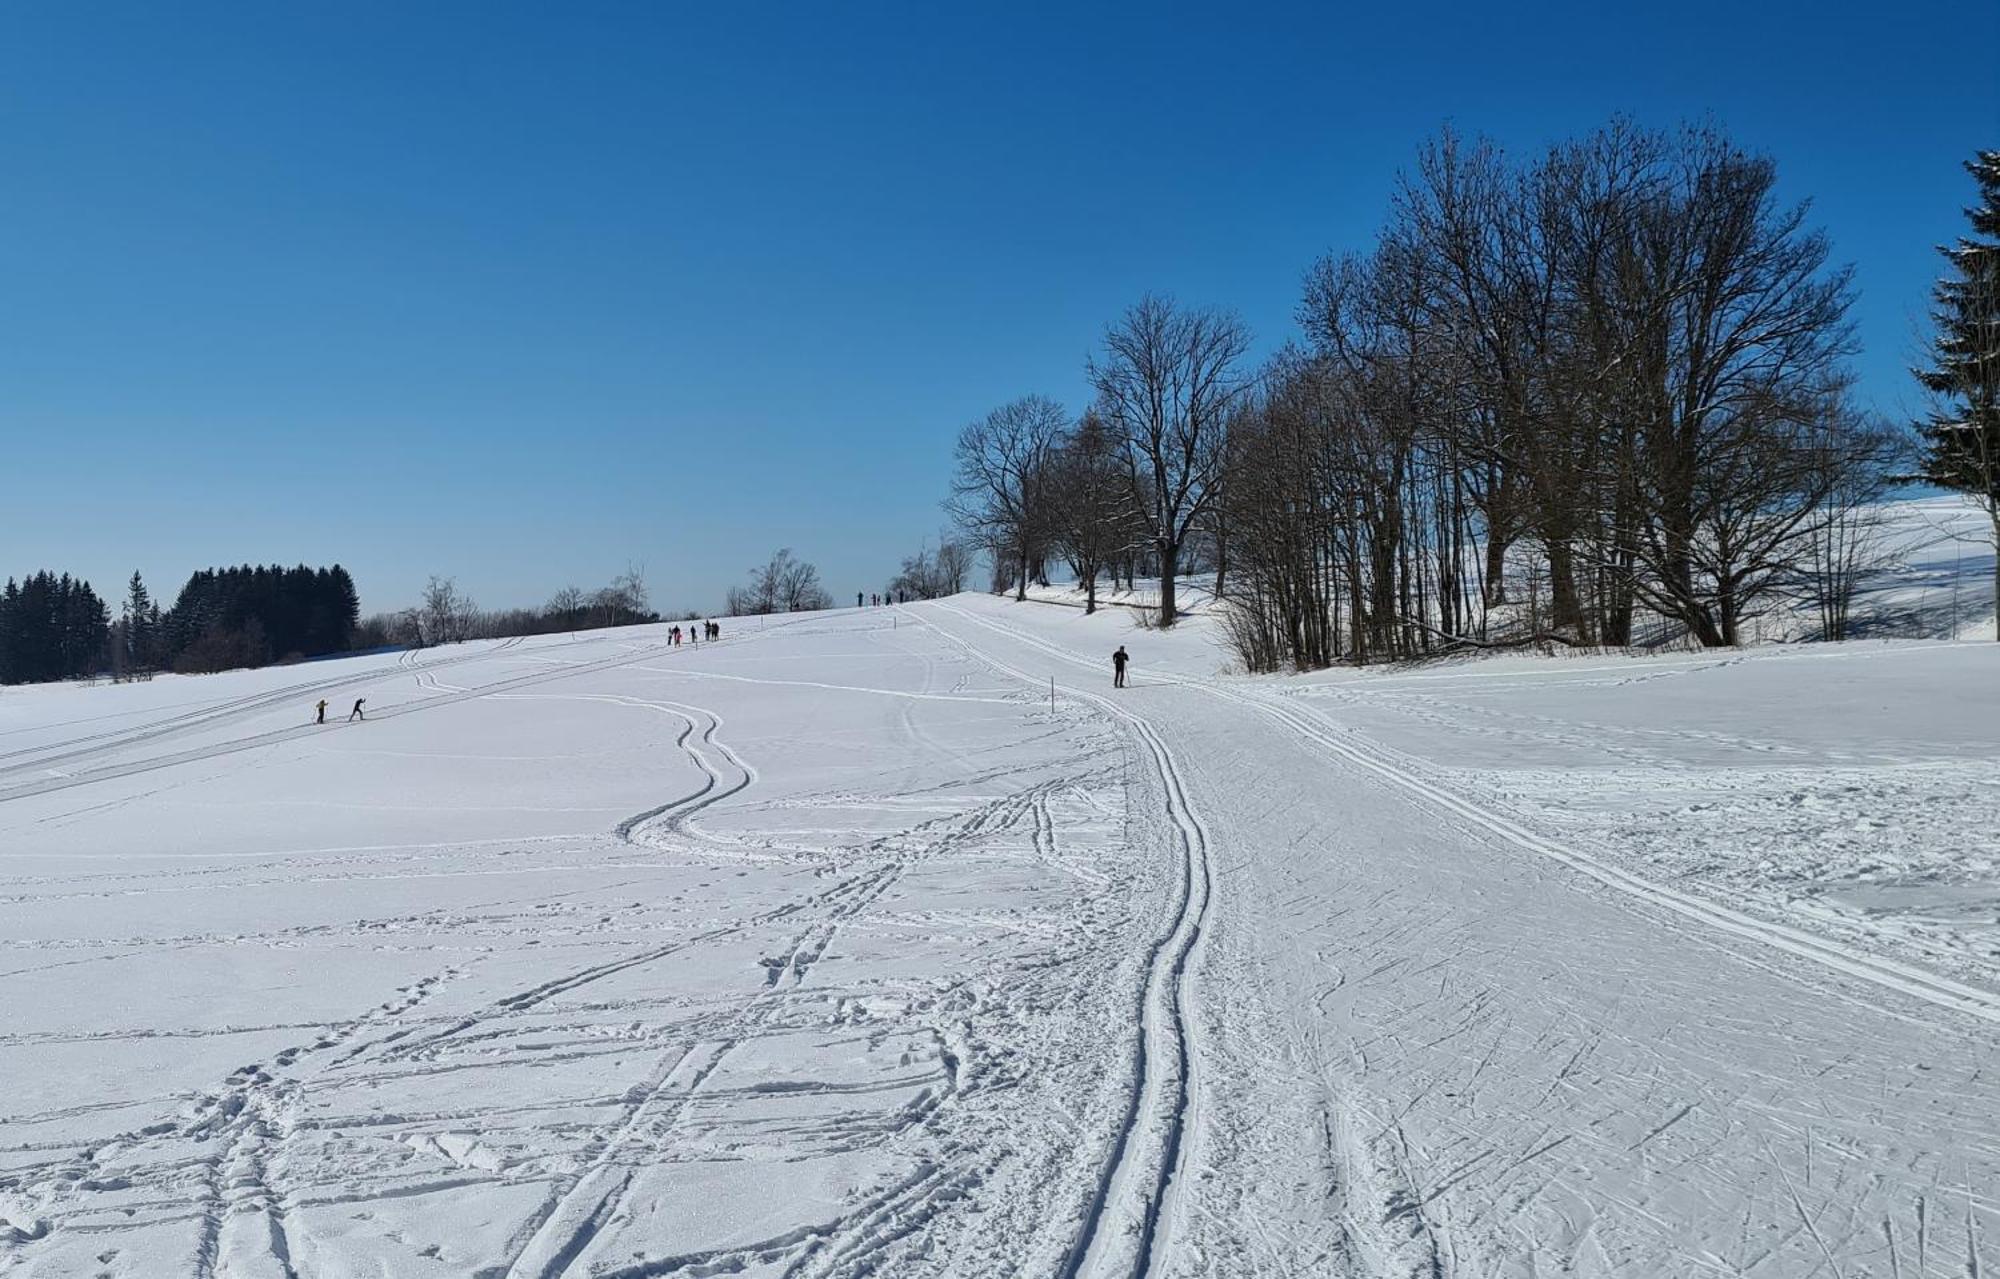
446,614
1566,399
1607,384
1032,487
56,627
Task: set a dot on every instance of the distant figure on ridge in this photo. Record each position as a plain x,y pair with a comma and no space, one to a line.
356,712
320,715
857,599
1118,660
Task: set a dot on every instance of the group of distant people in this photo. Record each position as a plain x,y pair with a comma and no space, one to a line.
693,635
880,598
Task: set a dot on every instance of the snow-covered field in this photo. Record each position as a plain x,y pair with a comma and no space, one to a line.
839,947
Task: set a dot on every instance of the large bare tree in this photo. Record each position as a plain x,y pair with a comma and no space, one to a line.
1167,381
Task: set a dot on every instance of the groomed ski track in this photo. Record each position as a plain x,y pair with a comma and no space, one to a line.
1128,1224
1512,1055
1887,973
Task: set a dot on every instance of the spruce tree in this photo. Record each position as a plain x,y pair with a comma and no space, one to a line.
140,615
1962,435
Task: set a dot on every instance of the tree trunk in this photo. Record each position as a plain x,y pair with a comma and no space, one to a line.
1021,582
1565,605
1994,511
1496,569
1731,628
1170,554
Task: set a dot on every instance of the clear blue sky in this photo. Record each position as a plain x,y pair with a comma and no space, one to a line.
522,293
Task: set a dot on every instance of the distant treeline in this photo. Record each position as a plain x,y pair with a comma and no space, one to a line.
447,615
56,627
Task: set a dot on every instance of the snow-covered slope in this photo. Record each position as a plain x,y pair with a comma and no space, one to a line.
841,947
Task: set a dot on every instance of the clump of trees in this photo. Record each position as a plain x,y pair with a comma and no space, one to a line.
784,584
51,628
1559,401
250,616
933,574
1000,490
1031,485
1961,437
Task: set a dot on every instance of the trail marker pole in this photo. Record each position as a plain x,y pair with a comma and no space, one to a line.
1052,694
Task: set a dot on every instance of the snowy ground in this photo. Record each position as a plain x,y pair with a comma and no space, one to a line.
835,949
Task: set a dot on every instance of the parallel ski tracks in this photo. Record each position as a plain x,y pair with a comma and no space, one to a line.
1880,971
107,772
1129,1220
206,716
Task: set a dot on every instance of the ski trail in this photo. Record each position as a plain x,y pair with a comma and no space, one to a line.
153,763
208,715
1128,1225
1889,974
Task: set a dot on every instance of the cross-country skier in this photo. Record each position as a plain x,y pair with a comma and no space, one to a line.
320,712
1118,660
355,714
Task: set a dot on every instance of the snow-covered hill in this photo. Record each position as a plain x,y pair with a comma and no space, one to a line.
891,941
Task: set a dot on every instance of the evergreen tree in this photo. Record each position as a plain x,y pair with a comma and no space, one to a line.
1963,438
140,617
1962,435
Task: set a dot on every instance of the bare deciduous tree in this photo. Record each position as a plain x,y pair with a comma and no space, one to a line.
783,584
1167,381
1092,515
445,615
999,486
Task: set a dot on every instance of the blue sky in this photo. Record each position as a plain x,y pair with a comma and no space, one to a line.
523,293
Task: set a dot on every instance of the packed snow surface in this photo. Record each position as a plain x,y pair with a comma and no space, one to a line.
895,942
